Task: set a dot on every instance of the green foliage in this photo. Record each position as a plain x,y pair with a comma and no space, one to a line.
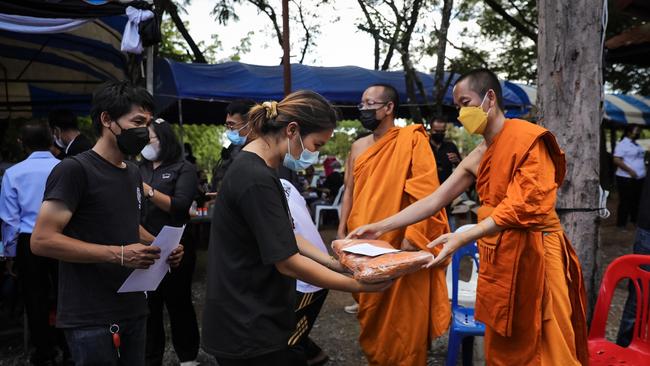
174,47
86,128
206,141
514,56
344,135
465,141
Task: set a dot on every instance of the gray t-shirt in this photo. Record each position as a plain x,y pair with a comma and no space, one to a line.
105,202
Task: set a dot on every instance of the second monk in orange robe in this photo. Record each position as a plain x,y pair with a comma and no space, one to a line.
391,169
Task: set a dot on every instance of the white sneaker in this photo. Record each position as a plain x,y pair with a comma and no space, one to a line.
190,363
351,309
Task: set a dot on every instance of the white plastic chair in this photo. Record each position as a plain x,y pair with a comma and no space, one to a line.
466,289
336,206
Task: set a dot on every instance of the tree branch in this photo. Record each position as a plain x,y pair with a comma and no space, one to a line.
470,52
519,26
267,9
306,29
173,13
521,14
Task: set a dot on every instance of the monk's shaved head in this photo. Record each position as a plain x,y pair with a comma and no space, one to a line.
482,80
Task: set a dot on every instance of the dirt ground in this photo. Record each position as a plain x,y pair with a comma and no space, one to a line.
336,331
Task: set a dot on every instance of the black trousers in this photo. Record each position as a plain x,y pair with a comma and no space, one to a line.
277,358
308,306
629,193
174,292
38,277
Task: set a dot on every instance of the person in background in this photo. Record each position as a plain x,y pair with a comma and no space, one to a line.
641,246
189,156
90,221
169,185
253,256
237,132
67,136
446,154
445,151
327,165
629,158
20,198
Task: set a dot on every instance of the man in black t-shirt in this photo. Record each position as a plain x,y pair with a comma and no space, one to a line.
90,222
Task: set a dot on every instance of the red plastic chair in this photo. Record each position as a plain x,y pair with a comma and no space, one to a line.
604,352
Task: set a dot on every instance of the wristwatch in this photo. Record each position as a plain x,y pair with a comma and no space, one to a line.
150,193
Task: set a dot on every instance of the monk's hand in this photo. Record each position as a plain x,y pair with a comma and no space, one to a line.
176,256
407,246
370,231
450,243
374,287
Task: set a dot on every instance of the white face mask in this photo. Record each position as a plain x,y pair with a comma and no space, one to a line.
60,143
151,152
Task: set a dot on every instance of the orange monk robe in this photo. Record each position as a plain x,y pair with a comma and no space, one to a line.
398,325
530,290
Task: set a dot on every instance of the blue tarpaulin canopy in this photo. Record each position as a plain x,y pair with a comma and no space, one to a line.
199,86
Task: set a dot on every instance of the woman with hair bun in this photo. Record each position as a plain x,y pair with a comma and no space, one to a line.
253,259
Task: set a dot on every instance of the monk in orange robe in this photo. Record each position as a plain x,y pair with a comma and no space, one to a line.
392,168
530,292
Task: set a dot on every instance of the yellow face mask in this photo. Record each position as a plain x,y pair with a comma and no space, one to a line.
474,118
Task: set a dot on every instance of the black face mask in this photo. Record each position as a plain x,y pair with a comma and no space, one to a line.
438,137
133,140
369,119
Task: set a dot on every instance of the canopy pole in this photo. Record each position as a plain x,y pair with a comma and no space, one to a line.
286,62
180,123
150,69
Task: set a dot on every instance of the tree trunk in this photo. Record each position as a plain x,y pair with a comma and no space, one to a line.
442,48
569,98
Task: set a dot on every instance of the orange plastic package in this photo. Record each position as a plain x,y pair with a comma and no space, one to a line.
380,268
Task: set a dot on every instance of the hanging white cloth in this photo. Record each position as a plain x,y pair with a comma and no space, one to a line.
131,39
25,24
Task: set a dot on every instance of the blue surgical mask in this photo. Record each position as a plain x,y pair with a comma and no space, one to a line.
307,158
235,138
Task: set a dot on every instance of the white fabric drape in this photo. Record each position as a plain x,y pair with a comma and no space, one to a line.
131,39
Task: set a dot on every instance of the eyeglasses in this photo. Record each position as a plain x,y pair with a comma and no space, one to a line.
369,104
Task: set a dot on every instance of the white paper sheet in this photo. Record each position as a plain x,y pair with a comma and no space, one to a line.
369,250
149,279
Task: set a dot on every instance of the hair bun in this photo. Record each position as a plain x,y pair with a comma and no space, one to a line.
271,109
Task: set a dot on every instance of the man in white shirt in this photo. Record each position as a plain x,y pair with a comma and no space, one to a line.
629,157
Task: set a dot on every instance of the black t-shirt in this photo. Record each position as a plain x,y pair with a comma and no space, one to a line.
644,207
227,157
177,180
249,308
79,145
445,166
105,202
